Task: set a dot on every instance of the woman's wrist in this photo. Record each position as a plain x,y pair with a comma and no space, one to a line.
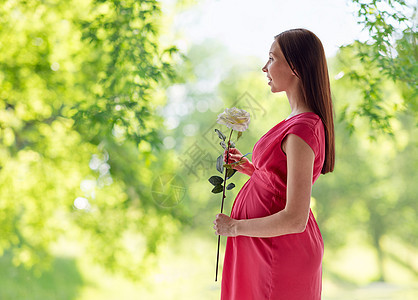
250,169
237,227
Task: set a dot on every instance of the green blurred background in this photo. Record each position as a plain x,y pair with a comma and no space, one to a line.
107,142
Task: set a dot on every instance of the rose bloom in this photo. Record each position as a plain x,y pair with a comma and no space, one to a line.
237,119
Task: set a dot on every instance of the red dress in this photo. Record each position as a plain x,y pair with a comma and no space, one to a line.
287,267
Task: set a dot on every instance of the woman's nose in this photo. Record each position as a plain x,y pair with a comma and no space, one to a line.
264,68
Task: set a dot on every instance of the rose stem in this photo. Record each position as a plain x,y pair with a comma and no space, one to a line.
222,204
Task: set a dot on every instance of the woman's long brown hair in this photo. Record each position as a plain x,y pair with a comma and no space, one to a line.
305,55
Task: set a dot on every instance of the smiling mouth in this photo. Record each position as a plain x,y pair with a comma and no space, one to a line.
269,80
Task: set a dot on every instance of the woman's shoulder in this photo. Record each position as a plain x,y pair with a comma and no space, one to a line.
306,119
308,123
309,127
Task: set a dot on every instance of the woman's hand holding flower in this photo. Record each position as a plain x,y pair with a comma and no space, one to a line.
225,225
245,167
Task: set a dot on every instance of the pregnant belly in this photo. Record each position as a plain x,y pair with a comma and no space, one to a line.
255,200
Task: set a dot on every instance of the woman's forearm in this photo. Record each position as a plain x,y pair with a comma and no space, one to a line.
280,223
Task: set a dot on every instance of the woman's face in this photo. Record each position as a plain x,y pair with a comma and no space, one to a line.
280,75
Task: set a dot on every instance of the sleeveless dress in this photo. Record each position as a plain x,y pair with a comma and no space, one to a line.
287,267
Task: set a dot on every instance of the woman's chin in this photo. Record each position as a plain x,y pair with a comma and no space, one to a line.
273,90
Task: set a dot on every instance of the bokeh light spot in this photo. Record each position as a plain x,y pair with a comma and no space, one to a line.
55,66
81,203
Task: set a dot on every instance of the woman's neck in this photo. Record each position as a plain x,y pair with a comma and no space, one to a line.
296,102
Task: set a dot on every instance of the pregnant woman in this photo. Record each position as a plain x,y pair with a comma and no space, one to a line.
274,248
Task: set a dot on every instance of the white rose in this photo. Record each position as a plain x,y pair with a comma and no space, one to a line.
237,119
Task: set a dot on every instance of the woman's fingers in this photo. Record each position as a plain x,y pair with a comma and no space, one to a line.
233,151
232,158
234,155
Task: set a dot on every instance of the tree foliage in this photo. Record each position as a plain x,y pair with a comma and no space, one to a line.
390,52
79,82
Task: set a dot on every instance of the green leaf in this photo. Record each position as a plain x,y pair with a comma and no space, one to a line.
220,134
231,145
218,188
219,164
230,173
239,135
230,186
216,180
